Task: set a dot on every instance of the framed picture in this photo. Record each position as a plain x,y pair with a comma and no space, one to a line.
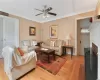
54,31
32,31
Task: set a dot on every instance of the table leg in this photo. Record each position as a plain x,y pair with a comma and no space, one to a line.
64,50
71,53
41,56
54,55
48,59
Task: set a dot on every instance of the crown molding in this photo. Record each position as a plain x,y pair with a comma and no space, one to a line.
20,16
61,17
72,14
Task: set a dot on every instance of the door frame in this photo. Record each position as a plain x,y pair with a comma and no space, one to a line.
76,26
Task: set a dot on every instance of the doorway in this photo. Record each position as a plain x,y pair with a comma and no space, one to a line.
9,32
83,35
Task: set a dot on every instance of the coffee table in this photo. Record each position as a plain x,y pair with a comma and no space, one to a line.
46,52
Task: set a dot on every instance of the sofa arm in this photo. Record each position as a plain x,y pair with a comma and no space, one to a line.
25,48
60,49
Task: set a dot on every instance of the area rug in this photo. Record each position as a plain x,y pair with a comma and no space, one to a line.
54,66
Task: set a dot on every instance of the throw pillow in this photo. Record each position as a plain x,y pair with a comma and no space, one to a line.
24,49
26,43
52,43
58,43
17,52
21,52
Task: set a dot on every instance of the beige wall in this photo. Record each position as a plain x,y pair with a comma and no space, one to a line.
65,26
24,25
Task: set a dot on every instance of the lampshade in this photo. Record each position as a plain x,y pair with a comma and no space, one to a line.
68,37
98,8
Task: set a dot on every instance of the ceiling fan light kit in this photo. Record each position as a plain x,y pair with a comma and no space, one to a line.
46,12
46,16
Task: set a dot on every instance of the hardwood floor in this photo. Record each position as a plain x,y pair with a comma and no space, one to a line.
69,71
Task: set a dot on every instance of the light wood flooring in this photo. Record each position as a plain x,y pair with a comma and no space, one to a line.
69,71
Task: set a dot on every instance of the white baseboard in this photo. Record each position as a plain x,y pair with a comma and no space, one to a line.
73,54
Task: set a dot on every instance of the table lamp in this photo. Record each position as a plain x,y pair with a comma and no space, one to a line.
68,38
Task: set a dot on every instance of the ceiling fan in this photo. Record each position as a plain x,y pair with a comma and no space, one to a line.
45,12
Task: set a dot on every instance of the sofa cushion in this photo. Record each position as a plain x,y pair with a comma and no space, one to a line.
25,49
52,43
47,42
26,43
20,52
17,52
30,48
33,43
58,43
56,49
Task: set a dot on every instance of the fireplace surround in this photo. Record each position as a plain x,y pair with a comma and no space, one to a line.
91,63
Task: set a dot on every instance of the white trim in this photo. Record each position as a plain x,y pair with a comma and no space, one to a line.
21,16
17,32
75,36
59,17
71,14
76,30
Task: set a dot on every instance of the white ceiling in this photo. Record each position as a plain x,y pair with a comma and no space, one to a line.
63,8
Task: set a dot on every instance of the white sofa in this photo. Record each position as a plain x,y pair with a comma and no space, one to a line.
28,45
20,71
55,44
16,65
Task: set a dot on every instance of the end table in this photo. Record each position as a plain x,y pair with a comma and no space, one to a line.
67,47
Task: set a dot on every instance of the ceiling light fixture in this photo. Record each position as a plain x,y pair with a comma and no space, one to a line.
85,31
46,16
46,12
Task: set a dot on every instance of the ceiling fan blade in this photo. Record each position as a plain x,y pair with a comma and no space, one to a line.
39,10
38,14
54,14
49,9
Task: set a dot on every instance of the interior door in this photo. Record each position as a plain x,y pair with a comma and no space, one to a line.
85,42
1,35
10,32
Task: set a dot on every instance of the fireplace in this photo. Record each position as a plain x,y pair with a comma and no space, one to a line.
94,60
91,63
